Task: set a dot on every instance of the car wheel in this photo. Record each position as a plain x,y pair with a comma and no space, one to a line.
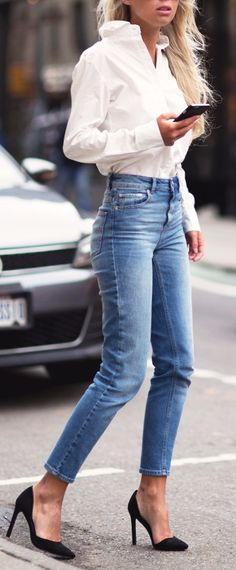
75,371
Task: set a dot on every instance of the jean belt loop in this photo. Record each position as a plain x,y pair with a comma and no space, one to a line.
153,184
109,180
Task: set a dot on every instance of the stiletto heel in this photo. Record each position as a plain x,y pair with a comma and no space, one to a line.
24,504
13,520
133,527
172,543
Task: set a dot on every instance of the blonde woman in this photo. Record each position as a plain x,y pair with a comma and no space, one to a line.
126,91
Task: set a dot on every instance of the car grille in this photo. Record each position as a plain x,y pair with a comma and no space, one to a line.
64,327
94,330
31,260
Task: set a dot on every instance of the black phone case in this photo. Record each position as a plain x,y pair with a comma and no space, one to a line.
191,112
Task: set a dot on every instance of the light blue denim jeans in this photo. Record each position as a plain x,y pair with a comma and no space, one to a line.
140,257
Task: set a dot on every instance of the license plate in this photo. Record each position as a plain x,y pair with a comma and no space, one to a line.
13,312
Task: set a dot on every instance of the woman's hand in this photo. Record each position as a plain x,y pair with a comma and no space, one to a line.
171,131
195,243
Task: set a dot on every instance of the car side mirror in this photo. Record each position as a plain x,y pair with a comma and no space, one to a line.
40,170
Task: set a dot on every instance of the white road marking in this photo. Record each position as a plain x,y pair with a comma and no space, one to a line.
201,460
207,374
212,374
84,473
213,287
223,457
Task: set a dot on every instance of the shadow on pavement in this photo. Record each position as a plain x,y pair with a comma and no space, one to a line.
32,386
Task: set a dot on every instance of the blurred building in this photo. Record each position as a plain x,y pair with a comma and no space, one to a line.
41,40
211,167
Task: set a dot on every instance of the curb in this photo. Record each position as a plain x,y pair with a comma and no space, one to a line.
15,557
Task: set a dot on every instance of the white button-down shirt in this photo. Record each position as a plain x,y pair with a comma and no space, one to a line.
117,95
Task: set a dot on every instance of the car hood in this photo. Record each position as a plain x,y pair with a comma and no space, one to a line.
34,215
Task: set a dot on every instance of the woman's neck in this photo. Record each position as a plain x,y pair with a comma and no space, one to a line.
150,36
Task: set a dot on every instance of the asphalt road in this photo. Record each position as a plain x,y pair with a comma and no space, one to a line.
202,488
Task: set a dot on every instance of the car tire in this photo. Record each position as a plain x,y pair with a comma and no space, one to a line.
73,371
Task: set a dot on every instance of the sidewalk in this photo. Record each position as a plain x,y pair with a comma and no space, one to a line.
15,557
220,239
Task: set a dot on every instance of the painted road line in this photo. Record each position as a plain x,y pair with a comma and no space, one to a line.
201,460
212,287
84,473
207,374
213,375
222,458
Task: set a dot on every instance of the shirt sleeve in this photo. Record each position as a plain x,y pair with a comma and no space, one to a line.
190,217
85,138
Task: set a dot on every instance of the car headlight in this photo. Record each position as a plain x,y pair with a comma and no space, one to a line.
82,256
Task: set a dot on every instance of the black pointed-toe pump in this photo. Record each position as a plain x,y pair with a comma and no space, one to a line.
24,504
172,543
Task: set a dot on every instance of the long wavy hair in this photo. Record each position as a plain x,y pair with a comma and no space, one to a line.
185,52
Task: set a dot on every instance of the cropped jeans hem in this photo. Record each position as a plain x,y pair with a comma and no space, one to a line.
153,473
57,474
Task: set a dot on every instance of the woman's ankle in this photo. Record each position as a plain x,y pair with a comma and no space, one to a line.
152,486
50,489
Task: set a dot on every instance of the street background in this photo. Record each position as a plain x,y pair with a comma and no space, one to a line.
34,107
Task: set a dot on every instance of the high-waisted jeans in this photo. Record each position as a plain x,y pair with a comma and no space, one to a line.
140,257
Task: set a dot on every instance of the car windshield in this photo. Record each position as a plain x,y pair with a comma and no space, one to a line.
10,172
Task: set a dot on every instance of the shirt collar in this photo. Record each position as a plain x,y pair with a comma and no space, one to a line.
163,42
122,29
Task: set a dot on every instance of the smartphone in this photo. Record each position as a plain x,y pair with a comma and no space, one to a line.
191,111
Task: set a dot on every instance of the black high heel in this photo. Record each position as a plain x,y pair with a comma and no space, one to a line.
24,504
172,543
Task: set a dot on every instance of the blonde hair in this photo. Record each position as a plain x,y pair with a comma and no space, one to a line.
184,53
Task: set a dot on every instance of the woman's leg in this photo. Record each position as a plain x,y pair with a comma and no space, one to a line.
172,343
122,260
124,272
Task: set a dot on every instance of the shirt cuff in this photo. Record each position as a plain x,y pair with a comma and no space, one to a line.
148,136
191,222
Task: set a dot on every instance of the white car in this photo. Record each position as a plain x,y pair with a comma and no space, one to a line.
50,309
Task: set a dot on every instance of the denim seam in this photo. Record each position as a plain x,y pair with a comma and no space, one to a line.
175,353
117,287
167,222
163,228
103,216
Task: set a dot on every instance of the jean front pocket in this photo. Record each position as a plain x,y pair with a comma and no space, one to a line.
97,232
131,198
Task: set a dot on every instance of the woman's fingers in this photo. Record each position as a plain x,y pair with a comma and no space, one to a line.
172,131
186,122
195,243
